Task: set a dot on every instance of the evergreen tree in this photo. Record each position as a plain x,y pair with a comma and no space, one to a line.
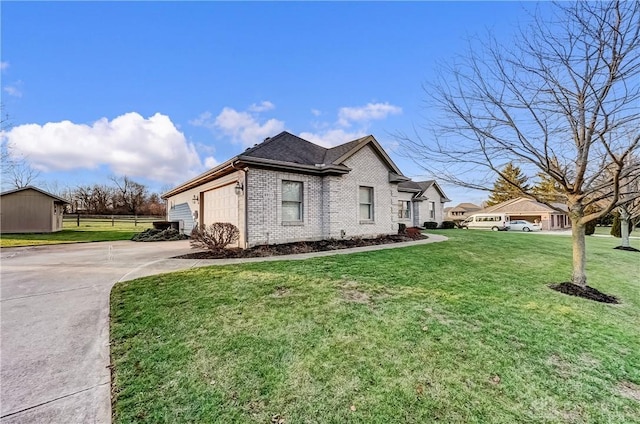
548,189
510,185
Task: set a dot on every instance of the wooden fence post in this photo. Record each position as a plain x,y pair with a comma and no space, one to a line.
78,219
112,221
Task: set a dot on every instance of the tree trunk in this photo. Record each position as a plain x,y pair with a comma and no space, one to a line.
624,226
579,275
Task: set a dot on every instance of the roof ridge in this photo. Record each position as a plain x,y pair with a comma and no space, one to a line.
264,142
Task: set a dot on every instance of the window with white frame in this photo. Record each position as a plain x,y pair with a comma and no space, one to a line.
432,210
291,200
404,209
365,196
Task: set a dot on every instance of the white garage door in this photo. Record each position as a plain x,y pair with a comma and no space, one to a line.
220,205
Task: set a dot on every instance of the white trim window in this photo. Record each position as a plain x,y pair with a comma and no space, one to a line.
291,201
404,209
365,198
432,210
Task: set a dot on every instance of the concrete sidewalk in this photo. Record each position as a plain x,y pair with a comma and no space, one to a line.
54,321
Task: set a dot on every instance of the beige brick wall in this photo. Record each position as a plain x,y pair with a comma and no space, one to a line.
265,223
433,196
330,203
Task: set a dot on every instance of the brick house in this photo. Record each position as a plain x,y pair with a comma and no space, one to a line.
461,211
288,189
420,202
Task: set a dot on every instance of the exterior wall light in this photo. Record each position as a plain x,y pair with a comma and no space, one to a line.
239,188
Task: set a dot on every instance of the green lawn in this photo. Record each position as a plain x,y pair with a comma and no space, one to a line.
464,331
89,230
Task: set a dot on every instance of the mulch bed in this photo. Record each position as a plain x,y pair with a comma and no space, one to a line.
627,248
587,293
298,247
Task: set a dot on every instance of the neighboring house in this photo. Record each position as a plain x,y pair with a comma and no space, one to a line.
287,189
420,202
30,210
530,210
461,211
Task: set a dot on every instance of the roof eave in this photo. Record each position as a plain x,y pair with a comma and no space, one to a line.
53,196
207,176
363,142
319,169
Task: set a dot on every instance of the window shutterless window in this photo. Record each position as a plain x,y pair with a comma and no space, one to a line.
432,210
404,209
365,195
291,200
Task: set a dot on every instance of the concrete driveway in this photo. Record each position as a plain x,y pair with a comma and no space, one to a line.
54,322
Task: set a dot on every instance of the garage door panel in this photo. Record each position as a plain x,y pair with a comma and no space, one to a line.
220,205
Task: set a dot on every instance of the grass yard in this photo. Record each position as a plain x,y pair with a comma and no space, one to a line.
464,331
89,230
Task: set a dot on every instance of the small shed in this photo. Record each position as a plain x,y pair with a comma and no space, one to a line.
30,210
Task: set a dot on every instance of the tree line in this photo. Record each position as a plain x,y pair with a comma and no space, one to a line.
122,196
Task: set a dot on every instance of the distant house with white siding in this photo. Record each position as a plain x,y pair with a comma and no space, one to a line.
30,210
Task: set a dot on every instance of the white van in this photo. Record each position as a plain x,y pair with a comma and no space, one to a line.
487,221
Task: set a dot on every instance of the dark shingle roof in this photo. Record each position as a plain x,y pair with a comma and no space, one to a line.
337,152
288,148
412,185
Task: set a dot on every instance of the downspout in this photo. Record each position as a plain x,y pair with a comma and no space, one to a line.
246,203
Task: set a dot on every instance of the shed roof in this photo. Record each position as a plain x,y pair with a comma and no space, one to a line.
53,196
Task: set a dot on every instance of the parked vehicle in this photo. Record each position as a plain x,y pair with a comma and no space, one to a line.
487,221
522,225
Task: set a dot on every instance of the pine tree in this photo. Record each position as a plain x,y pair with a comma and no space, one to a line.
510,185
548,189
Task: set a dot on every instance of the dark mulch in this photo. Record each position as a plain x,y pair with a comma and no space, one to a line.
299,247
587,293
627,248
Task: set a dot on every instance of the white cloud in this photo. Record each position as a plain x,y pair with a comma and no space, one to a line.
262,107
241,127
14,89
128,145
211,162
363,114
316,112
203,120
4,65
332,137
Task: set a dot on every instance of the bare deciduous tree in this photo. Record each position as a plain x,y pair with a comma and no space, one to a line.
130,194
562,99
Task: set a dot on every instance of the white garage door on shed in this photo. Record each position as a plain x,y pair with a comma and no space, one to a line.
220,205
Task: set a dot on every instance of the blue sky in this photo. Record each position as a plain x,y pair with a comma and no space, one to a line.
161,91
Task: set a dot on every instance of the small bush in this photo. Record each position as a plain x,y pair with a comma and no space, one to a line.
430,225
590,227
413,233
214,237
402,228
616,227
154,234
448,225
